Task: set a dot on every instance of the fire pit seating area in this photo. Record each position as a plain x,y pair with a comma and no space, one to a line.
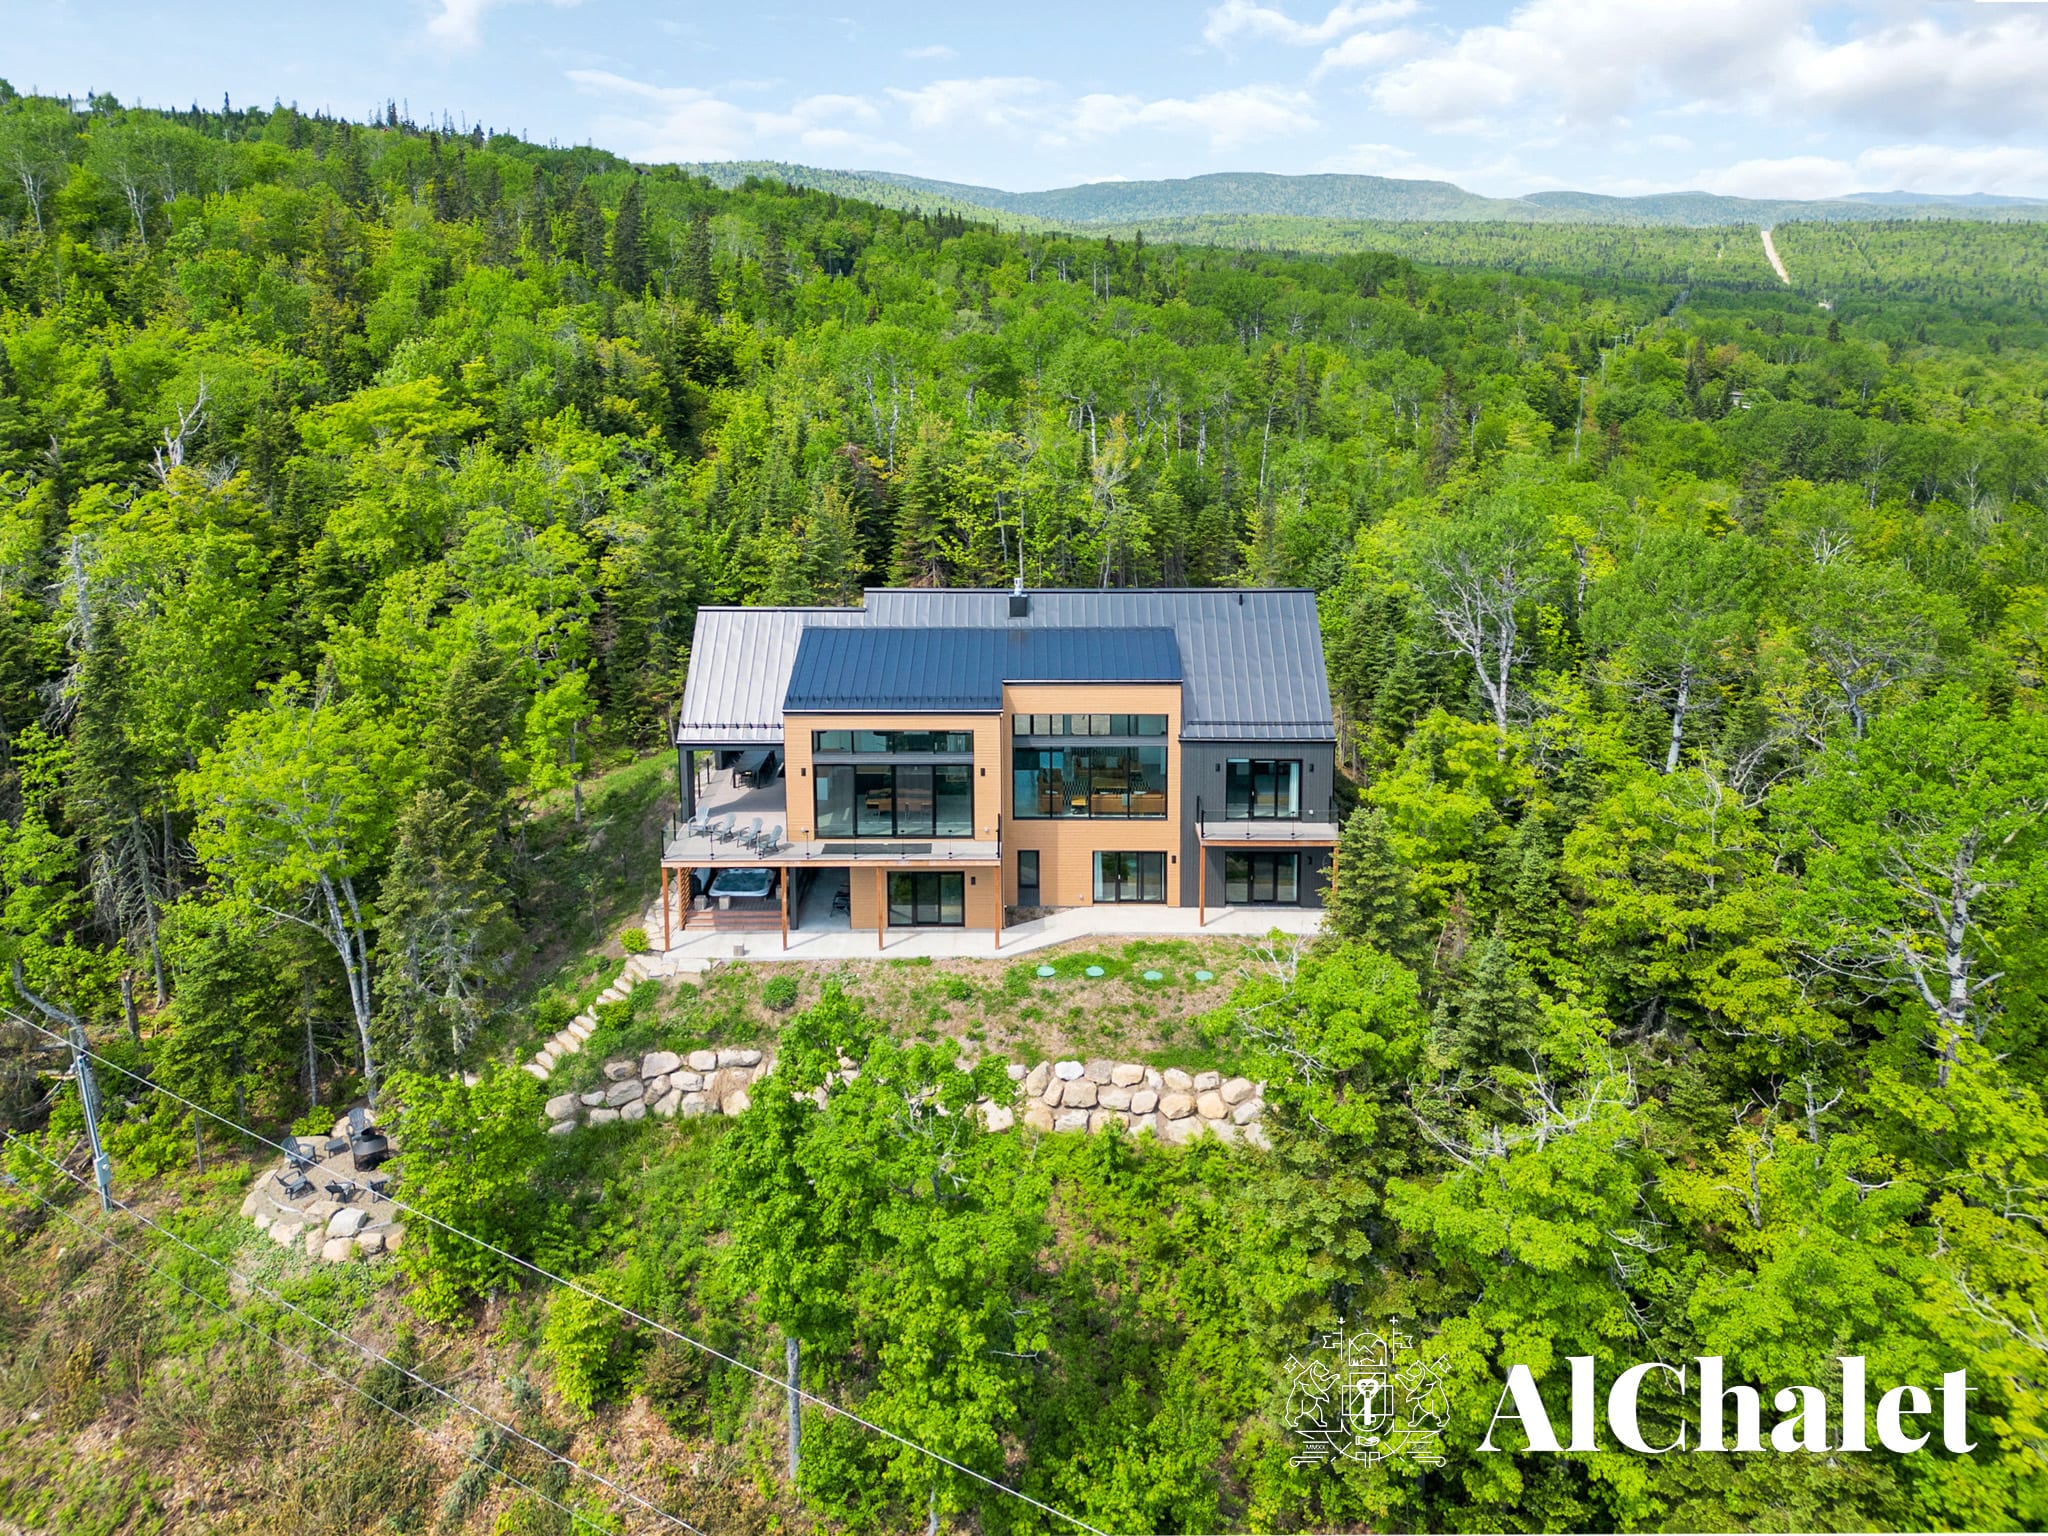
327,1196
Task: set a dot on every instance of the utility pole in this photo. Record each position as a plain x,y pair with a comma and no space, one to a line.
792,1353
89,1098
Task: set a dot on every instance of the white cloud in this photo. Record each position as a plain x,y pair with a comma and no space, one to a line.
2014,170
930,51
1241,115
1504,176
1243,18
996,101
1586,63
460,23
1369,50
684,123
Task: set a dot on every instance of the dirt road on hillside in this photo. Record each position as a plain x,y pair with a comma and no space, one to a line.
1777,266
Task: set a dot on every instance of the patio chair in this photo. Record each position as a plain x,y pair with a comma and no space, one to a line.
752,837
295,1183
726,830
380,1189
358,1122
343,1190
772,842
334,1146
301,1155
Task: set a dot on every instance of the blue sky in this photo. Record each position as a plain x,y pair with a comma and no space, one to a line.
1753,97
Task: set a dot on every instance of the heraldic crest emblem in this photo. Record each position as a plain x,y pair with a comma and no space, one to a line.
1364,1395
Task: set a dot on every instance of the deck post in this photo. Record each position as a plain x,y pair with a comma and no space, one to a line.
881,905
664,909
784,883
1202,886
683,894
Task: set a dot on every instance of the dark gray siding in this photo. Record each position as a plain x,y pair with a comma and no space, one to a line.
1202,764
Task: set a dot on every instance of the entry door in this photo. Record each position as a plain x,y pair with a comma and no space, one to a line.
1027,877
1130,877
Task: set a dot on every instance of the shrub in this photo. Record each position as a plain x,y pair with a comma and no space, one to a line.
589,1347
634,941
779,993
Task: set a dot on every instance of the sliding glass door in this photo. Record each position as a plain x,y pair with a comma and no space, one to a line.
1130,877
927,899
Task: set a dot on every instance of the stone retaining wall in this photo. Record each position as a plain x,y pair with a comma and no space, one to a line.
1067,1095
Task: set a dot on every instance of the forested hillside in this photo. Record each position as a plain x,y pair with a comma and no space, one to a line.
358,486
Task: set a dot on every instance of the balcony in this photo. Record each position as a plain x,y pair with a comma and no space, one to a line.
1267,832
768,805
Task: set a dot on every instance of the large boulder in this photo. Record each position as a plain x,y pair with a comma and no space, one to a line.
1079,1094
592,1097
1054,1091
1113,1097
736,1102
369,1242
1236,1090
562,1107
1177,1106
1178,1080
997,1117
347,1222
622,1093
1247,1112
1144,1101
1036,1079
1071,1120
335,1249
741,1056
1038,1117
603,1116
1097,1072
637,1110
1204,1081
1126,1074
669,1103
703,1061
659,1063
561,1127
1067,1071
1211,1106
1103,1119
619,1071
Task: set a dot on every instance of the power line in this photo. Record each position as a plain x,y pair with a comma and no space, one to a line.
350,1339
618,1307
301,1355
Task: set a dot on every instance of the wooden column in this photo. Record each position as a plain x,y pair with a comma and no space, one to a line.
999,908
784,883
881,904
1333,877
683,895
664,907
1202,887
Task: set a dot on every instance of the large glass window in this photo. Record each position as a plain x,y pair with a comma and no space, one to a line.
835,800
1262,879
954,790
895,799
1130,877
1088,725
1109,782
894,743
1262,789
928,899
1027,877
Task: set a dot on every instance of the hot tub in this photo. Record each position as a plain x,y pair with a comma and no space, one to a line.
743,882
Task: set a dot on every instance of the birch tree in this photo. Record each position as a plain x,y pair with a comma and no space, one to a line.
1483,579
294,812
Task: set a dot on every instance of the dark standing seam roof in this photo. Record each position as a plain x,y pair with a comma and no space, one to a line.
1251,659
963,670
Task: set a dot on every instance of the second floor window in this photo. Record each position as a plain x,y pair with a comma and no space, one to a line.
894,800
1262,789
894,743
1117,782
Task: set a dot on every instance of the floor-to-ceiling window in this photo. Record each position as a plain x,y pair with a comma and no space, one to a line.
1262,789
1130,876
927,899
856,798
1262,879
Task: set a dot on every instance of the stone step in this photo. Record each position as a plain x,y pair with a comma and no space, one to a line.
536,1069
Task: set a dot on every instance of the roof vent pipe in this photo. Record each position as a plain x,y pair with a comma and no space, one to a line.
1020,605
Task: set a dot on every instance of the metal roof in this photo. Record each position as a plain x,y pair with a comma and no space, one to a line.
1251,660
1252,657
957,669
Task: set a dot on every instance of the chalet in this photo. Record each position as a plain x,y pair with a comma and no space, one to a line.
969,758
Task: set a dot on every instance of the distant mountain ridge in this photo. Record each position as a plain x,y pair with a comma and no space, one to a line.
1256,194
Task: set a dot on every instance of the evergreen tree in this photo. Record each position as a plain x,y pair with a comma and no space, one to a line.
629,244
586,224
698,285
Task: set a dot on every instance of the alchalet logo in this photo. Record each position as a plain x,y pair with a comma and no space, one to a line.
1364,1394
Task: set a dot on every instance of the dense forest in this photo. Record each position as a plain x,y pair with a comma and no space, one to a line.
1683,993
